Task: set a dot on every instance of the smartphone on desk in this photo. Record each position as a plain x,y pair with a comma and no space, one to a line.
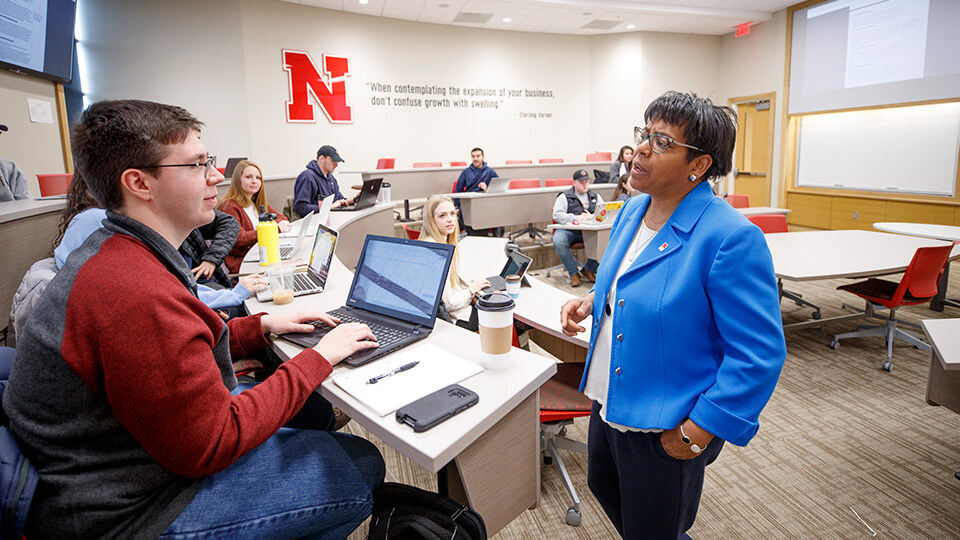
434,408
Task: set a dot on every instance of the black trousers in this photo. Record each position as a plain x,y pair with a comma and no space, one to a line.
644,492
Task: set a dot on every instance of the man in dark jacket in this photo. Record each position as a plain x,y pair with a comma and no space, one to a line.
317,182
476,177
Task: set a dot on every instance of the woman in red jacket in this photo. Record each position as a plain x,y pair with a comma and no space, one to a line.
243,201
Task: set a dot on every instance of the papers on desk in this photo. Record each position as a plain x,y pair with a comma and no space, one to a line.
437,369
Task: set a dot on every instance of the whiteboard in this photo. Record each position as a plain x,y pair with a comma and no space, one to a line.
896,150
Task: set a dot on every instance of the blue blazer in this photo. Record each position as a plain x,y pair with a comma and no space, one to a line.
696,323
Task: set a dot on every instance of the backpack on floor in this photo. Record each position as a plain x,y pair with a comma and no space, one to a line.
402,512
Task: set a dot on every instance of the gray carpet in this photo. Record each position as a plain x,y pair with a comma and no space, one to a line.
837,433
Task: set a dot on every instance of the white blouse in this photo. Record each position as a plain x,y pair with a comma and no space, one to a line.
598,374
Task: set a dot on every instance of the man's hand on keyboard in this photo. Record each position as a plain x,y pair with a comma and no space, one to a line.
344,340
299,321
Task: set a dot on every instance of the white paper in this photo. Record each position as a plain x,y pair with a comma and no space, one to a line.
437,369
41,111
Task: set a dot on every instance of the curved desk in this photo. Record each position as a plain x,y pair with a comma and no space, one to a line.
483,210
27,227
489,455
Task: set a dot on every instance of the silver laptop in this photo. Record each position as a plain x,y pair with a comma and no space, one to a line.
498,185
298,249
314,278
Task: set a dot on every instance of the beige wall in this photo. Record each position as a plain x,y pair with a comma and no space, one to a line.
34,147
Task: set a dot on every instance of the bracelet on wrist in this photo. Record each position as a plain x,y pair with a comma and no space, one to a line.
694,447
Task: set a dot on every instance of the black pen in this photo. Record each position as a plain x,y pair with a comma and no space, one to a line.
400,369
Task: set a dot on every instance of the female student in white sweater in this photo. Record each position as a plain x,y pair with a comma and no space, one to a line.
440,225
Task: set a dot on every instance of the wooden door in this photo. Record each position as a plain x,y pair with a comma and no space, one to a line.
752,154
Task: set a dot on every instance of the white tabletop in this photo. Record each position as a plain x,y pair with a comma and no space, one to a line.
602,188
500,391
944,336
14,210
756,210
812,255
924,230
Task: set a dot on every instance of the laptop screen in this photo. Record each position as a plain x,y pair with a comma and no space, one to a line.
322,254
401,278
517,263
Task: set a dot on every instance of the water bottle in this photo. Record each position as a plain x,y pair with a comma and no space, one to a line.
268,237
385,192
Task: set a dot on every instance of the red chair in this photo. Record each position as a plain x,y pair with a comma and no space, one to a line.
777,223
523,183
600,156
519,162
458,163
427,164
386,163
560,403
550,160
552,182
917,286
222,170
412,234
54,184
738,201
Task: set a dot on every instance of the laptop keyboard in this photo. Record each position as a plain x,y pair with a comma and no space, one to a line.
497,283
386,336
286,252
302,282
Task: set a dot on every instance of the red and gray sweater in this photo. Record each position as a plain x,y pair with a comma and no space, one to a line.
120,392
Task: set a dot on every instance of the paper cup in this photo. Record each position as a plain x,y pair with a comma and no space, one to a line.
495,317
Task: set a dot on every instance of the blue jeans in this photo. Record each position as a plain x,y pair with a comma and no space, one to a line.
298,483
562,239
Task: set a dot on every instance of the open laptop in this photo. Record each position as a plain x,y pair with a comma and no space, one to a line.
314,278
231,165
298,248
517,263
368,196
498,185
396,290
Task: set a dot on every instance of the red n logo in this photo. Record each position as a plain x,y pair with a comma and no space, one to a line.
304,80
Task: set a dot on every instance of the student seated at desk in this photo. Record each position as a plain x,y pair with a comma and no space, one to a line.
13,183
623,191
440,225
243,201
120,394
623,163
575,205
474,178
317,182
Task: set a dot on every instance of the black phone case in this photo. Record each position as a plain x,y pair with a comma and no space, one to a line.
433,409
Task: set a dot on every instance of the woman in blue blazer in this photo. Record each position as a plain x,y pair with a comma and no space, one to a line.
687,342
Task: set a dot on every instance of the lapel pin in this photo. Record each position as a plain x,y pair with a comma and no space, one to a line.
663,246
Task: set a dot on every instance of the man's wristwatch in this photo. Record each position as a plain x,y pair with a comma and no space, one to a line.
694,447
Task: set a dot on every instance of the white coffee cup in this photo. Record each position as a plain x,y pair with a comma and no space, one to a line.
513,286
495,317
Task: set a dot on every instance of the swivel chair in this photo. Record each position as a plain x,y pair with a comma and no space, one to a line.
600,156
917,286
54,184
530,229
519,162
386,163
738,201
550,160
427,164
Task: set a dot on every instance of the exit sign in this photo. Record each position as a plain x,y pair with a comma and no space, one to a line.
742,30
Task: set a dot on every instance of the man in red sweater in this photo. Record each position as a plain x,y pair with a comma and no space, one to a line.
120,394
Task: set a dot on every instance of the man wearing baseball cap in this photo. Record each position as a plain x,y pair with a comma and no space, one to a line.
575,205
317,182
13,183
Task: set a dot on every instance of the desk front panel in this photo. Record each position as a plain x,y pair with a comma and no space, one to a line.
24,241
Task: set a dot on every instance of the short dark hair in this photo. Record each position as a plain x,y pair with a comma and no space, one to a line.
113,136
705,125
478,149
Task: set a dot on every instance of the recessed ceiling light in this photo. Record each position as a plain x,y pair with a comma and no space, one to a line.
631,26
364,1
507,19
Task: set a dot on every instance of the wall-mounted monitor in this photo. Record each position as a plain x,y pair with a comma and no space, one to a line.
36,37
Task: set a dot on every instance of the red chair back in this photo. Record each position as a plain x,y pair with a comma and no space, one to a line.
386,163
223,170
560,397
770,223
519,162
923,275
600,156
412,234
738,201
521,183
458,163
551,160
551,182
426,164
54,184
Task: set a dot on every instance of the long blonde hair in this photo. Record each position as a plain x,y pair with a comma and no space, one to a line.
430,233
236,192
